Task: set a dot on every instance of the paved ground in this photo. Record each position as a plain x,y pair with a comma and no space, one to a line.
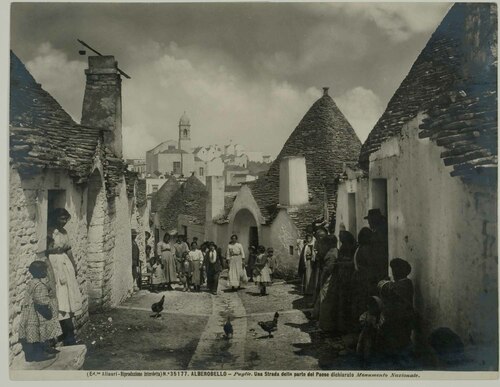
189,334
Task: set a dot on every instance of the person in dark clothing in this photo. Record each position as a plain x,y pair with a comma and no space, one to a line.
214,267
379,243
364,281
397,309
135,258
338,297
252,256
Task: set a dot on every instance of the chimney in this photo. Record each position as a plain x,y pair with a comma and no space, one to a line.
293,181
102,103
325,90
215,204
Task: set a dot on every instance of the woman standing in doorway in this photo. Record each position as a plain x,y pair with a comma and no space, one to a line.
236,257
64,267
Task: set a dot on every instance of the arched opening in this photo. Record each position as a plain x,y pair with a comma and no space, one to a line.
185,133
96,212
245,227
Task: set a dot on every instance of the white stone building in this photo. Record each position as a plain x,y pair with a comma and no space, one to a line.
430,166
55,162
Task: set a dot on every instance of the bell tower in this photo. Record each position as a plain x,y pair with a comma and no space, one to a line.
185,133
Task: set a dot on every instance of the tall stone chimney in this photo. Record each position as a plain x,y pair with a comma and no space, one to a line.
215,204
102,103
293,181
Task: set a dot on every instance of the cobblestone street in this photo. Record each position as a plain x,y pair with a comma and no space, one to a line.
189,334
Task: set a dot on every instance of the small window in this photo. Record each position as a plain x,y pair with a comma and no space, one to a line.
155,187
201,171
291,249
171,147
177,167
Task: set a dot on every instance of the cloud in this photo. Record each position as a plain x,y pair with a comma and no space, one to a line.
221,102
325,43
362,108
62,78
167,80
399,21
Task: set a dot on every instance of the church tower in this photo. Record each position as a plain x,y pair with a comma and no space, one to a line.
185,133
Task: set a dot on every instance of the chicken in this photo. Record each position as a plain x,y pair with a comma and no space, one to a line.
270,326
228,328
157,307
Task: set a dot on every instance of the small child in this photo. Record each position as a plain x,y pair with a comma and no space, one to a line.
261,271
155,267
39,318
370,322
186,272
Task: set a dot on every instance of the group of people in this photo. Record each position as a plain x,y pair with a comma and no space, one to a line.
351,290
52,297
175,262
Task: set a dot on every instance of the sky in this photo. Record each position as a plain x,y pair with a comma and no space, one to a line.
245,72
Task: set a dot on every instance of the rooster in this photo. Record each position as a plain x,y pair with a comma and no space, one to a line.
270,326
228,328
157,307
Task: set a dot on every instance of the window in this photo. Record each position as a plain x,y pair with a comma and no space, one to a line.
155,188
201,171
177,167
185,132
171,147
291,249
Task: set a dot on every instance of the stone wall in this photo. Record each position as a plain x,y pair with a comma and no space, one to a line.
284,236
28,208
121,278
447,230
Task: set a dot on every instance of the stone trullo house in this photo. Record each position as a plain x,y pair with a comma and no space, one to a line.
430,165
299,188
55,162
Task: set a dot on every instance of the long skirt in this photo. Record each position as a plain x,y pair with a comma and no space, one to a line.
170,269
68,294
318,304
196,280
308,280
235,270
336,309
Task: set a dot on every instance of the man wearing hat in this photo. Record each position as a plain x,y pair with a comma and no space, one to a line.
379,242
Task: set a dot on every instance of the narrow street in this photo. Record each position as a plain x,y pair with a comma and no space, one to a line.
189,334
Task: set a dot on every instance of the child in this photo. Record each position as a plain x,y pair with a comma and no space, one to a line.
369,322
39,318
155,267
262,273
186,272
397,314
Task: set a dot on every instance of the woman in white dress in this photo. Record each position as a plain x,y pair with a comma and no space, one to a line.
65,271
236,257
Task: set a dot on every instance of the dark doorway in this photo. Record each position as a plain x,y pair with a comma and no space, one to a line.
253,236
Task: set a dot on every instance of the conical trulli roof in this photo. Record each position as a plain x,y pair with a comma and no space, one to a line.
161,198
454,82
327,141
190,199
